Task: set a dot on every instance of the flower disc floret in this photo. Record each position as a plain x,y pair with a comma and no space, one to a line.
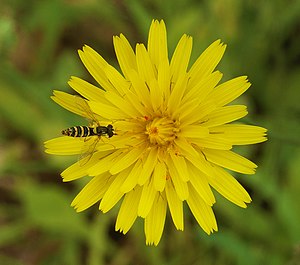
161,131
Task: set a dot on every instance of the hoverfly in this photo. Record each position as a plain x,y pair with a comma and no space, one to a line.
87,131
93,131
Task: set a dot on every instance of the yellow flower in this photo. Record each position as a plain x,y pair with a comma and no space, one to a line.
173,138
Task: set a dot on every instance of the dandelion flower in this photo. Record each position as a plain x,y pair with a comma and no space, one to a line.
173,135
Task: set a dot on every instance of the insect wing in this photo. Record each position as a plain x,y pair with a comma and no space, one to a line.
84,107
89,148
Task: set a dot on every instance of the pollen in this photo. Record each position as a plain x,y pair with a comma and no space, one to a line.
162,131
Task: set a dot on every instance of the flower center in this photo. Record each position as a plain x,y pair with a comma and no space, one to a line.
162,130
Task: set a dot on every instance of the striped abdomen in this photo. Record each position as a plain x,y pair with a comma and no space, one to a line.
85,131
79,131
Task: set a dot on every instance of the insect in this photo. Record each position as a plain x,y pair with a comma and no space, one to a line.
94,131
86,131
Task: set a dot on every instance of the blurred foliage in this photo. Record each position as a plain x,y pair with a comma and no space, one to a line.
38,44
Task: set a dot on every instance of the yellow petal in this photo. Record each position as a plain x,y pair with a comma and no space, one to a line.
104,164
201,211
203,110
125,54
86,89
65,146
241,134
126,131
206,62
194,131
144,64
200,183
92,192
203,88
148,166
155,221
72,103
147,198
159,176
185,147
107,111
156,95
164,77
119,83
139,88
179,185
95,64
180,165
121,103
181,57
128,211
113,193
75,171
213,141
175,206
195,157
224,115
79,170
230,160
134,100
176,95
157,42
132,178
121,140
230,90
229,187
126,159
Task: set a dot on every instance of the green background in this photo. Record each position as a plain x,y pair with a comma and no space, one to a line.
38,53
